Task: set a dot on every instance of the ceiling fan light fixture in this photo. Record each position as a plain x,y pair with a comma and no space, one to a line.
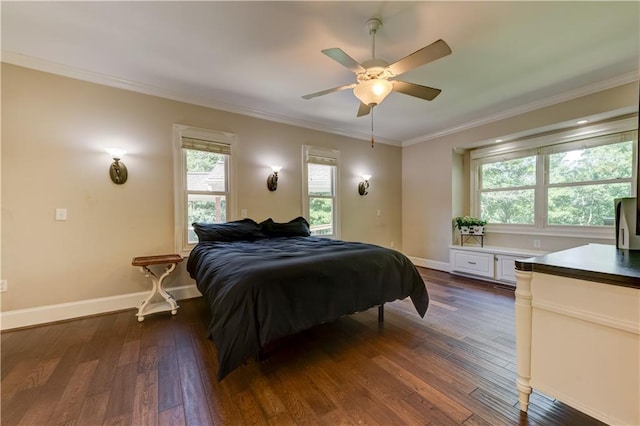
372,92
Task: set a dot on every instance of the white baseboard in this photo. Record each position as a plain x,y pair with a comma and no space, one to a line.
432,264
64,311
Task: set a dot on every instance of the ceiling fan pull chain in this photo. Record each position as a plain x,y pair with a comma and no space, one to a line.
372,108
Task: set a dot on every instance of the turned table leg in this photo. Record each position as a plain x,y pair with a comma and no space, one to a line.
523,311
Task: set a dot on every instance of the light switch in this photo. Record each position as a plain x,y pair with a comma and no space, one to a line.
61,214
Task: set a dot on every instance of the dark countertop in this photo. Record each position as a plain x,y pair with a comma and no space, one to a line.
593,262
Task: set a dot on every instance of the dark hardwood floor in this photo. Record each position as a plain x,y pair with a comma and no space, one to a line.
455,366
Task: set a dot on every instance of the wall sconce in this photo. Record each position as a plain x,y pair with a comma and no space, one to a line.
364,185
117,170
272,180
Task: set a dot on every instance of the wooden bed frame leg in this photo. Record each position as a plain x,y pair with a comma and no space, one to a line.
381,313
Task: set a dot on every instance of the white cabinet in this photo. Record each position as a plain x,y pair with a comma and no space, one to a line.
489,263
473,262
578,340
506,267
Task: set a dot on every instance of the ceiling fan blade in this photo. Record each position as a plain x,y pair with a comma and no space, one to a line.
326,92
363,109
411,89
343,59
435,50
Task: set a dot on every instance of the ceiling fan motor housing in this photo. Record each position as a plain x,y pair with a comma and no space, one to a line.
375,68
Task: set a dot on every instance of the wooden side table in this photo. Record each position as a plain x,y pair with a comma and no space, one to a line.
169,303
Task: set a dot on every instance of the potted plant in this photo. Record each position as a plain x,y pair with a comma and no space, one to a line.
470,225
478,226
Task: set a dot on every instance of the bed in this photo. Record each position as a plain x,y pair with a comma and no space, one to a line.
270,280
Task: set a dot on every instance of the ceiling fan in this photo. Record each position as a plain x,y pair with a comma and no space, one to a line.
375,78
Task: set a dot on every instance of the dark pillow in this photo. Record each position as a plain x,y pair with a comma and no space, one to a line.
298,227
245,229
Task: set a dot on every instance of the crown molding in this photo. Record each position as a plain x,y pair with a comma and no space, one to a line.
148,89
532,106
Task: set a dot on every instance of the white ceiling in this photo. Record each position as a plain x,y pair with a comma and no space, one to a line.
259,58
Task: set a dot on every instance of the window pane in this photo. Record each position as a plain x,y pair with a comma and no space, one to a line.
510,173
592,164
585,205
320,179
205,208
508,206
321,216
206,171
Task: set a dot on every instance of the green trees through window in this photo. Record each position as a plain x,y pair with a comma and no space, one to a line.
572,187
508,191
583,184
321,187
206,189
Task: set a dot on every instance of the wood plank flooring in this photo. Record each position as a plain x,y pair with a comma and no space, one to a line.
455,366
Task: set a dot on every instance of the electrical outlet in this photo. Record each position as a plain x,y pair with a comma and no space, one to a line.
392,244
536,244
243,213
4,285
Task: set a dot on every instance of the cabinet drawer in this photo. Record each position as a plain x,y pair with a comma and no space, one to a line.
473,263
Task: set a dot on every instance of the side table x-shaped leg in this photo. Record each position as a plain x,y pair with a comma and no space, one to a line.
148,307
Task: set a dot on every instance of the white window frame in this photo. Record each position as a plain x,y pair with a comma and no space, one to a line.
542,146
506,157
182,245
331,157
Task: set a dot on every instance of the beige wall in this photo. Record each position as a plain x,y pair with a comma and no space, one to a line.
54,134
429,174
459,186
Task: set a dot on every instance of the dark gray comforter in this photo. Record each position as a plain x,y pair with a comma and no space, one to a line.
273,287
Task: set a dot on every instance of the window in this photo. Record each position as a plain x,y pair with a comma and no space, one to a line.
544,183
507,190
583,182
202,163
320,174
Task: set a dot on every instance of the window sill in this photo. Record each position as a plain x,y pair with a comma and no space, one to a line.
600,233
185,252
